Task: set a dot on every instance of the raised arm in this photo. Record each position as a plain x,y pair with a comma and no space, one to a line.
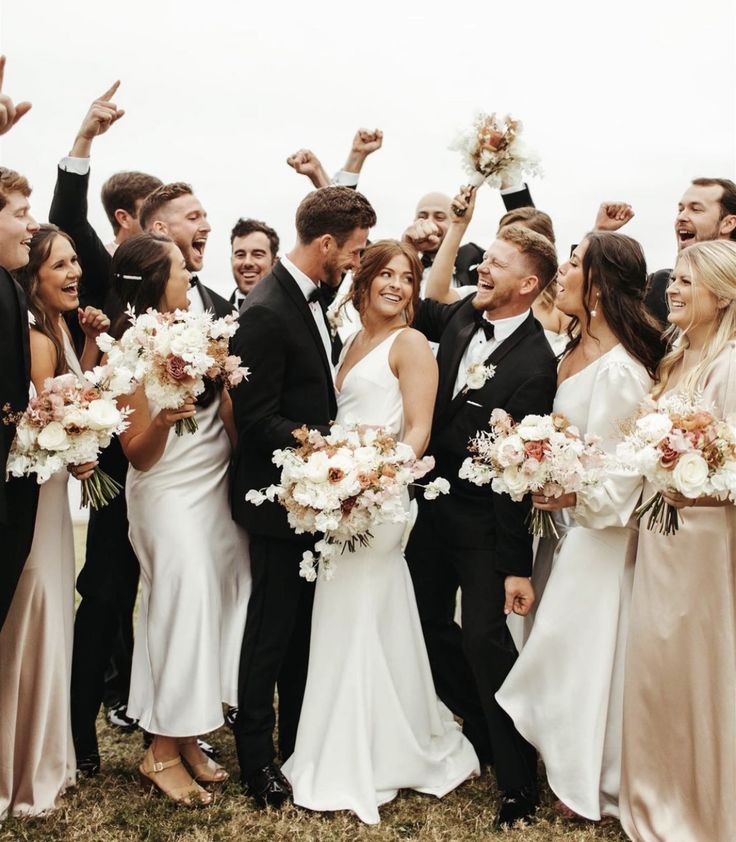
439,283
10,112
305,162
365,143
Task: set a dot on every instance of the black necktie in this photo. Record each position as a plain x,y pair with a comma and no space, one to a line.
483,323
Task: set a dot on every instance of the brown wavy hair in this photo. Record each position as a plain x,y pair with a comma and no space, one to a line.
615,264
27,277
375,258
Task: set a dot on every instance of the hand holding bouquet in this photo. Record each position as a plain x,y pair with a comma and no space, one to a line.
343,485
172,353
679,445
542,453
494,153
69,423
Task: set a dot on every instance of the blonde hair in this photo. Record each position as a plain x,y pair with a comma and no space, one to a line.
713,267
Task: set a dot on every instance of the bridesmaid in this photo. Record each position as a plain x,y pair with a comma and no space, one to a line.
195,572
37,760
679,756
565,692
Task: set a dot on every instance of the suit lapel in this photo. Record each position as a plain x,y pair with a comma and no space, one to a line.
499,352
291,288
20,300
459,345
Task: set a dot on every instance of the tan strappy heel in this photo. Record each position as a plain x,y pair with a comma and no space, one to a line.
206,771
191,795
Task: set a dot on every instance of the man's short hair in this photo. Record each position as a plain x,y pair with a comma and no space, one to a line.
337,211
530,217
537,249
161,196
243,227
728,199
123,190
12,182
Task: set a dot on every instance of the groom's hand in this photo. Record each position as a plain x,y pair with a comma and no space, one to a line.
519,595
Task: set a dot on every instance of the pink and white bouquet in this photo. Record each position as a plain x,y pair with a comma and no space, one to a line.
69,423
343,485
542,453
493,151
172,353
679,445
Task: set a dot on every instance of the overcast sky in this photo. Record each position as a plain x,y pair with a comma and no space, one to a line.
623,101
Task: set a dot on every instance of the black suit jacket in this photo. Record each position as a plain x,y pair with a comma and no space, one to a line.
524,382
69,212
15,369
290,385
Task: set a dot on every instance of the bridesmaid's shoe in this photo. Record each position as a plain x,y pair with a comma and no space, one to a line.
566,812
191,795
206,771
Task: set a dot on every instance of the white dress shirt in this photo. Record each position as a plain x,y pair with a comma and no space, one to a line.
307,286
480,348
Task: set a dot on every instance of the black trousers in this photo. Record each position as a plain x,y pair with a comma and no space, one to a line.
103,626
275,650
16,536
470,664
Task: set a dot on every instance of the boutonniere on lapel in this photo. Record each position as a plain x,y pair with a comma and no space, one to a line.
335,321
477,375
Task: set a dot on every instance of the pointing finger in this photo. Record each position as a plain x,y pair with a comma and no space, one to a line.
2,71
110,92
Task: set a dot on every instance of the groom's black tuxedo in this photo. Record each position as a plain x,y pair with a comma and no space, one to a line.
18,497
290,385
474,538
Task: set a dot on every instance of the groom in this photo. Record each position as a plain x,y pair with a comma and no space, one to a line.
473,538
285,341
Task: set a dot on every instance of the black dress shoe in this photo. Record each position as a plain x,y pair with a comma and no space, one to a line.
516,804
267,786
89,764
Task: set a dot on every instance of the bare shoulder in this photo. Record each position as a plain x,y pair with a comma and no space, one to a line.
411,352
411,341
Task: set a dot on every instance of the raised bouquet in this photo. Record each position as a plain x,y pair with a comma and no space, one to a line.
493,151
172,353
69,423
679,445
542,453
343,485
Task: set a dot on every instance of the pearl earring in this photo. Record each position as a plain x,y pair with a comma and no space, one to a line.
594,311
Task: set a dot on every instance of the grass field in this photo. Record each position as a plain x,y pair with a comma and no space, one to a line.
113,808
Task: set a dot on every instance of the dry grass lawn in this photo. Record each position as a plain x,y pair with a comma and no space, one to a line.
113,808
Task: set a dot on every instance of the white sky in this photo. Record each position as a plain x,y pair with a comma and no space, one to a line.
623,101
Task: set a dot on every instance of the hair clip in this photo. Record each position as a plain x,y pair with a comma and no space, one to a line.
129,277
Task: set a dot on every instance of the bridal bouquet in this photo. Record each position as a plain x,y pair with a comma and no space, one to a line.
679,445
492,151
172,353
542,453
69,423
343,485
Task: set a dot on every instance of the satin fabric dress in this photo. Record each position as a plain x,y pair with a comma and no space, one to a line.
565,692
679,758
37,761
195,583
371,723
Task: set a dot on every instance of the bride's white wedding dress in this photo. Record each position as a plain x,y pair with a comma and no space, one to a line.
371,723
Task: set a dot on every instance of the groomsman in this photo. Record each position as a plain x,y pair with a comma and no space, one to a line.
473,538
18,497
285,341
254,249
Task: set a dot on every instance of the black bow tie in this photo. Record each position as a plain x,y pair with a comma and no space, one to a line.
427,258
483,323
315,296
193,281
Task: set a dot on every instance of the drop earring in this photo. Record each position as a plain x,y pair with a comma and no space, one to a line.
594,311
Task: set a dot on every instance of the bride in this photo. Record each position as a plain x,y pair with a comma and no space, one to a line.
371,723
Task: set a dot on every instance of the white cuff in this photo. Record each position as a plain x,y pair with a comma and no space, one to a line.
517,188
78,166
343,178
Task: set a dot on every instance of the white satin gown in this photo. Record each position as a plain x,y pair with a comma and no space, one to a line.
195,583
565,691
371,723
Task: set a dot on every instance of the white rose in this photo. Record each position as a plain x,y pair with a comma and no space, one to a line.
103,415
516,483
53,437
74,418
690,474
654,427
316,467
535,428
25,436
435,488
